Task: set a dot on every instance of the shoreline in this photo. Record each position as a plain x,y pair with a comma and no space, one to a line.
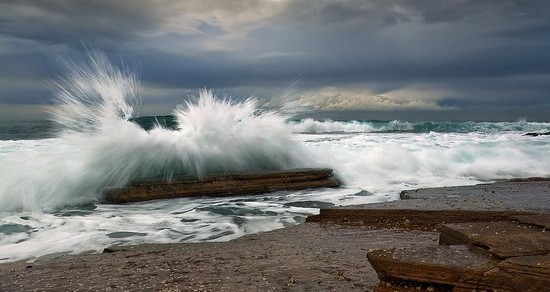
327,254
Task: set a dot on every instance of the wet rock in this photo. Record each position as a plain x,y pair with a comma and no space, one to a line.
501,239
309,204
541,220
442,265
490,246
458,268
535,134
224,184
308,257
406,218
331,257
526,273
431,207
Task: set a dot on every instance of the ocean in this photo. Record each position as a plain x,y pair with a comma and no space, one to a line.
53,173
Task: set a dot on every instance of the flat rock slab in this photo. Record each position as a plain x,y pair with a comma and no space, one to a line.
407,218
541,220
224,184
526,273
457,268
501,239
454,266
435,206
528,195
498,236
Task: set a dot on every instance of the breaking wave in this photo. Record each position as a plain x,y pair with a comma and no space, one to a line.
353,126
101,147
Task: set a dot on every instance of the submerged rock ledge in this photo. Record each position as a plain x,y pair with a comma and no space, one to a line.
224,184
484,237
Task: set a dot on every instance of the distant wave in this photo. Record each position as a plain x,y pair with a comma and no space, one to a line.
310,126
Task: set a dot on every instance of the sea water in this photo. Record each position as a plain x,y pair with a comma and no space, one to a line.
53,173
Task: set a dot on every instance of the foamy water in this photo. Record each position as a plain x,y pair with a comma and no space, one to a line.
50,191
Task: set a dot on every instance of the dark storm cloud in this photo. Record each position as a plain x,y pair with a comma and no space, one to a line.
59,21
494,14
489,53
386,41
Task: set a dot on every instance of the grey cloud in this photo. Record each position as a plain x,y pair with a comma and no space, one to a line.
479,53
382,13
58,21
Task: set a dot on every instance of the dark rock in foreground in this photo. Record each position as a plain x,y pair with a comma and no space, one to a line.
535,134
224,184
490,256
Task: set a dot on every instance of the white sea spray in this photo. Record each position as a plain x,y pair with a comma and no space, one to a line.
101,148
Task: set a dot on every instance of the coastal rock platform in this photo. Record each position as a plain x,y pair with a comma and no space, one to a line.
490,237
493,237
224,184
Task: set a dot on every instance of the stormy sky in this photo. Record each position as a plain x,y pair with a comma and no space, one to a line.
362,59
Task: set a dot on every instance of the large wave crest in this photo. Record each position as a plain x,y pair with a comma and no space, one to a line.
101,148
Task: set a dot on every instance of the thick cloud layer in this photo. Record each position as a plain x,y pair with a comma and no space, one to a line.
394,56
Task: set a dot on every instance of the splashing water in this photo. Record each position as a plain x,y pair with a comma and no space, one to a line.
101,148
94,93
